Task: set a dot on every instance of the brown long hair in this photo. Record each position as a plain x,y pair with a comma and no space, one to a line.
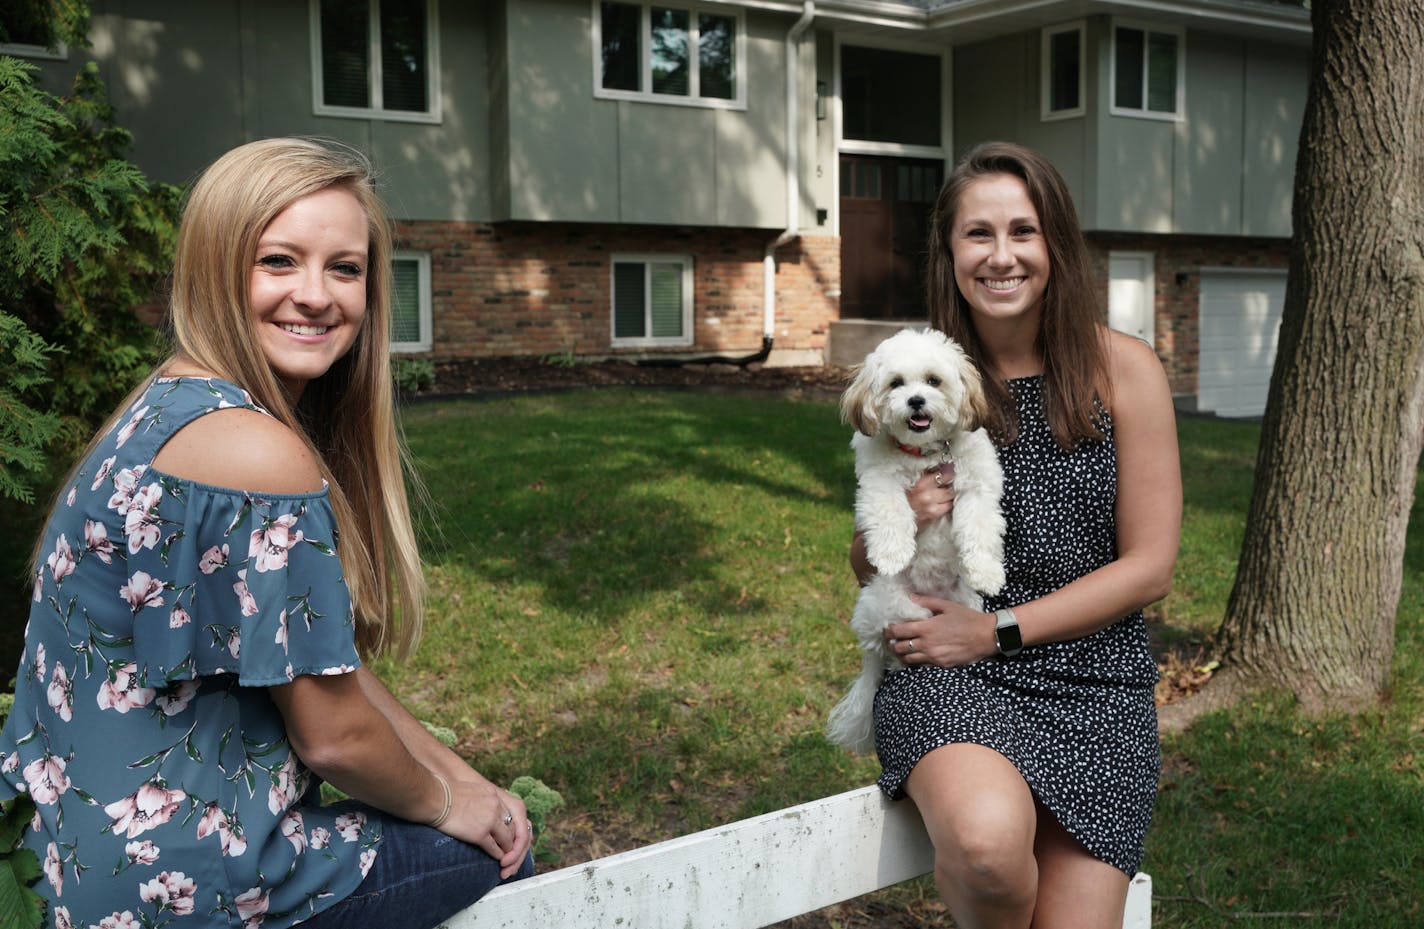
1070,339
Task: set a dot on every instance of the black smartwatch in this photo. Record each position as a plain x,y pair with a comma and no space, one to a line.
1006,633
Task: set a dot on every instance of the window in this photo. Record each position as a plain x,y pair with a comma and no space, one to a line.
375,58
410,302
27,35
1147,72
860,180
1061,92
652,300
890,96
917,183
669,54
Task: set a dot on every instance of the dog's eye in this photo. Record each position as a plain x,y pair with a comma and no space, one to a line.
897,382
932,380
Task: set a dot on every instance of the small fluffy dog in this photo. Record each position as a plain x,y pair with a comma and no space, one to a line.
917,402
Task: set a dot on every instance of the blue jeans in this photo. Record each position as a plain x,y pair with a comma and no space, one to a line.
420,878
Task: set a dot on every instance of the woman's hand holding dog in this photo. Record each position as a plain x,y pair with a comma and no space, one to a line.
932,495
953,635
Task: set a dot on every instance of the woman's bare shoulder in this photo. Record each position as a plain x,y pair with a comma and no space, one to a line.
1138,379
244,450
1132,363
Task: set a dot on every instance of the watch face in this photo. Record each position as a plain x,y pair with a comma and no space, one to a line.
1009,638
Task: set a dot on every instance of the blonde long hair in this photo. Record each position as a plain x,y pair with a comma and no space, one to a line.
347,416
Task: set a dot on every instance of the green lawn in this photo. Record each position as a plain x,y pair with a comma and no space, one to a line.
641,598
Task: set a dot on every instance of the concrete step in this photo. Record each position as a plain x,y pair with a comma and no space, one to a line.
850,340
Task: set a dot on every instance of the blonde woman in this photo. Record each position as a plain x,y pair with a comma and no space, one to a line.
234,540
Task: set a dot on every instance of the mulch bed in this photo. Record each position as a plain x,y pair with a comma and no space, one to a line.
485,376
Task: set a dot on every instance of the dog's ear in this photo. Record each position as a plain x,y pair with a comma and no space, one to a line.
858,401
974,408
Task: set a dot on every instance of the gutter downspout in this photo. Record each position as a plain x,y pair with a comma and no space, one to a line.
793,174
793,211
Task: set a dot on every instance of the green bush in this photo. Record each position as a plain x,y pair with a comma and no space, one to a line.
539,800
84,240
413,375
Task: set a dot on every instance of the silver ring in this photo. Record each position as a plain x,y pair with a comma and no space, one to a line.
939,478
508,818
913,648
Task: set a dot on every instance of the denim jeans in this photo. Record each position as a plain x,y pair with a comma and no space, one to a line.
420,878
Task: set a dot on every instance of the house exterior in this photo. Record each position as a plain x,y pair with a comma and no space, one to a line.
750,178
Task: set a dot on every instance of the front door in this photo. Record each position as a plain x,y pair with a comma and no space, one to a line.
885,215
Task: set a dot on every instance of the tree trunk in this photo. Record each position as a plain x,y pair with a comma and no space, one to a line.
1321,566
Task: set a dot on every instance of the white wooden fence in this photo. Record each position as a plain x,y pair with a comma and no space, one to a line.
742,875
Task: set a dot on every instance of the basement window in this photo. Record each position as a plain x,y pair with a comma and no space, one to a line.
651,297
410,302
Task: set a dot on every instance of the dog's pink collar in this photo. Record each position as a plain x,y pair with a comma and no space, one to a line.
941,447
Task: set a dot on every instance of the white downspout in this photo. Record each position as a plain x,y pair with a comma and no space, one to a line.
793,172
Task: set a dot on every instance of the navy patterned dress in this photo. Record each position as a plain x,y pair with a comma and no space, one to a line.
1076,718
166,792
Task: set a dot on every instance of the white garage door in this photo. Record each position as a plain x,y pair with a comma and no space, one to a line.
1240,318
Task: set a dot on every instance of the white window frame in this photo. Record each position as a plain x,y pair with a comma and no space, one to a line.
647,341
376,111
1046,71
424,301
1145,28
20,50
645,76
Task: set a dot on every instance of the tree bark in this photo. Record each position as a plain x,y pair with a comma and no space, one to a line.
1313,606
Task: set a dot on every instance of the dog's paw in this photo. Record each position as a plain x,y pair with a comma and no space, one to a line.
889,553
987,578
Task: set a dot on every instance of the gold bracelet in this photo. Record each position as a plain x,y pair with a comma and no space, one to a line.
438,821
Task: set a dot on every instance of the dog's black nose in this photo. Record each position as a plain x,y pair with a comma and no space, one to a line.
916,402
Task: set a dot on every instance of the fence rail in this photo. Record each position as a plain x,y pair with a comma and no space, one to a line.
743,875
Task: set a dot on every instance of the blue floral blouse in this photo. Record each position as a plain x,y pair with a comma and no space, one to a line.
167,793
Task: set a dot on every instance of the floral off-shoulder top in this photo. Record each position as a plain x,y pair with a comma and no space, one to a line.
167,794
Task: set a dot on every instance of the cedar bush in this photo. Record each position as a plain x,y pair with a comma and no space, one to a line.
84,239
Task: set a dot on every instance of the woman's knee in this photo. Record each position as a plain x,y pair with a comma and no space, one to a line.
986,861
981,818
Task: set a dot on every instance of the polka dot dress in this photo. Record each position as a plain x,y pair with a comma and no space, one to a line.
1076,718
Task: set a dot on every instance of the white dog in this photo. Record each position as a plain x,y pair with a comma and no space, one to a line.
916,402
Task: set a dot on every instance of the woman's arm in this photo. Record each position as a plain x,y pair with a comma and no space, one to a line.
1149,519
348,728
352,732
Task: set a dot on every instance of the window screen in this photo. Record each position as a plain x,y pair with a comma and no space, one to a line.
1064,65
622,54
403,56
345,53
405,300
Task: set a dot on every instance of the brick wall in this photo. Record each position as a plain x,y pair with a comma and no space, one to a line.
524,288
1178,261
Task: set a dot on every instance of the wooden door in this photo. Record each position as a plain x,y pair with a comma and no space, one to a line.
885,211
